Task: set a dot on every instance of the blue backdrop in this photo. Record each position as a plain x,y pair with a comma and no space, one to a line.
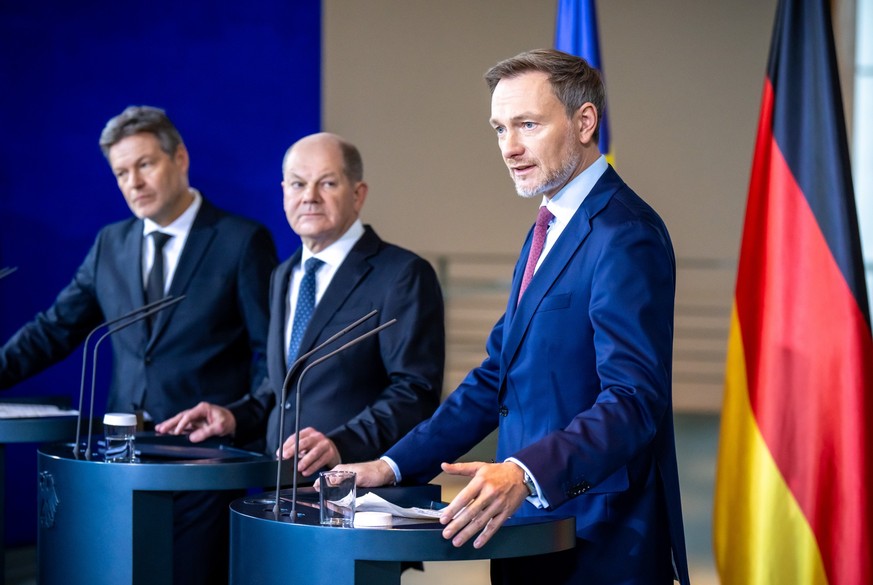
241,81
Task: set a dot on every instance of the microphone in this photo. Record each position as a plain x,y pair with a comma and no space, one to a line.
4,272
327,356
119,323
287,382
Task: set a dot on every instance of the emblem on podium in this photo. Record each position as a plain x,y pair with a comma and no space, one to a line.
48,500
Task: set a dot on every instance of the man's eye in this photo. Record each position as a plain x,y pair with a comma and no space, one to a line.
529,125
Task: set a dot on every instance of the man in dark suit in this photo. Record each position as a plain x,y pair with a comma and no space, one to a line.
578,375
210,346
359,403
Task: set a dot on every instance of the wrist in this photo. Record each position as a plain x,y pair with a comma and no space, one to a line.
386,473
528,482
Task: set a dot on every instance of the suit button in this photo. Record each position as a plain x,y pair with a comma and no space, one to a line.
148,360
503,411
578,489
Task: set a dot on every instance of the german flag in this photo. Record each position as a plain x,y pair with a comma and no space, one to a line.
794,483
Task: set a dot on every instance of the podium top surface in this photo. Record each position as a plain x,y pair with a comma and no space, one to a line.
169,463
37,430
421,540
36,419
152,448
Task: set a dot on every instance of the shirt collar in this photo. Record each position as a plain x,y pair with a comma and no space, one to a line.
182,224
566,201
337,252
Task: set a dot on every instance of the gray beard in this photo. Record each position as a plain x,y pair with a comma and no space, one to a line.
555,180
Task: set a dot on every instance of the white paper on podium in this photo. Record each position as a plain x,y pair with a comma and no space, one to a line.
22,410
370,502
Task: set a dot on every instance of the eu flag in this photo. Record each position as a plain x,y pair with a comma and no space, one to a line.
576,33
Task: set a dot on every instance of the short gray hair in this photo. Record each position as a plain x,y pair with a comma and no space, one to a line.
138,119
353,164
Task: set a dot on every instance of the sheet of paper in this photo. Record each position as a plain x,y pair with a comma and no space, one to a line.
21,410
370,502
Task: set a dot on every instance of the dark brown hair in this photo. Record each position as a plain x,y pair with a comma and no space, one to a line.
574,82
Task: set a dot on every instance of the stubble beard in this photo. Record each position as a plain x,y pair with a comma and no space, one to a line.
554,180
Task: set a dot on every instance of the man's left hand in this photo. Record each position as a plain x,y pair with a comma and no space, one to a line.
494,493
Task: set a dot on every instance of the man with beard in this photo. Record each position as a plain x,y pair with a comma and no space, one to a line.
578,375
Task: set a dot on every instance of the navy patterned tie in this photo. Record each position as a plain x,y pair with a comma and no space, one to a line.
305,307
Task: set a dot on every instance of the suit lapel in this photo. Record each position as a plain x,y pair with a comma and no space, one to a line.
130,256
130,259
199,238
279,316
517,275
555,263
347,278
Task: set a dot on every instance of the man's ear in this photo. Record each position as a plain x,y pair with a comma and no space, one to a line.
360,194
181,157
586,119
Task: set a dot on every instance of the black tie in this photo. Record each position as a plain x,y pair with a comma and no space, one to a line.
155,281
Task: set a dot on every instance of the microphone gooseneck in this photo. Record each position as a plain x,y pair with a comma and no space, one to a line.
284,396
119,323
297,405
4,272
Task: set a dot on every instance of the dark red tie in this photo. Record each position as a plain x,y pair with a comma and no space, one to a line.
536,247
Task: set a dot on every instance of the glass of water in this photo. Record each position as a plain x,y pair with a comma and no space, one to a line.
118,430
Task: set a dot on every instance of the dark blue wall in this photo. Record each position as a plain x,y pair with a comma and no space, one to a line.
241,81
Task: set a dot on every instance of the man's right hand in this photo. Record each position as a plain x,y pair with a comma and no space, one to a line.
199,423
370,474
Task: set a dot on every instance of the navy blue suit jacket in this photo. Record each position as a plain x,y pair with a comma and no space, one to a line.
210,346
578,382
373,393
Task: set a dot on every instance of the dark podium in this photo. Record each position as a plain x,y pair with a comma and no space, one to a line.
265,551
27,430
113,522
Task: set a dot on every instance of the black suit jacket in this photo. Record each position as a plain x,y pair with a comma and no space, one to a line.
373,393
210,346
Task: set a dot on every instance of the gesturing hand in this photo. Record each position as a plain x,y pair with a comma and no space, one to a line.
494,493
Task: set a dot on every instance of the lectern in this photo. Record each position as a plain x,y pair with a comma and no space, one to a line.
270,551
110,523
27,430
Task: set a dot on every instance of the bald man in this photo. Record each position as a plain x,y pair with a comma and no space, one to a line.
370,395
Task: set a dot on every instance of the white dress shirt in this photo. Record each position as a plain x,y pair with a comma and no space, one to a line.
565,203
332,256
179,229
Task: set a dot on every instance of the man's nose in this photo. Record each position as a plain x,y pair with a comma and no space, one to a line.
510,145
311,195
134,179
